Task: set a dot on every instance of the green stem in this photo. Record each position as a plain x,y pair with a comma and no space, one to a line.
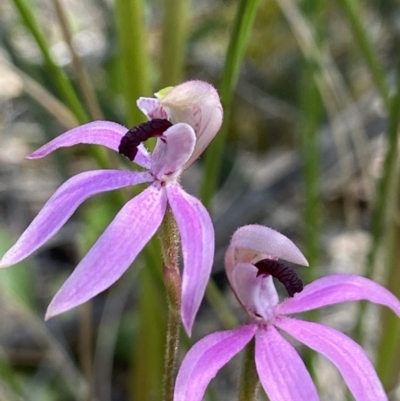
147,368
170,250
63,84
353,12
384,192
311,106
245,15
249,381
86,345
135,64
171,352
174,37
388,361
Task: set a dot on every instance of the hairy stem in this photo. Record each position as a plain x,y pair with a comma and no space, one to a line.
249,381
172,279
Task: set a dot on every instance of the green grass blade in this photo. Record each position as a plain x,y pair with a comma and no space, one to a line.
353,12
385,192
385,185
312,113
64,86
135,65
245,15
174,39
388,205
388,350
148,357
84,82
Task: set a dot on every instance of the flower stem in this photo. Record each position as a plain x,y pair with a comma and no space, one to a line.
172,279
249,381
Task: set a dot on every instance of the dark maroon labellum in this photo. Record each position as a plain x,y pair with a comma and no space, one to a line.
136,135
284,274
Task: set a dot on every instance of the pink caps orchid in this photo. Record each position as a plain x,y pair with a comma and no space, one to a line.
190,116
251,261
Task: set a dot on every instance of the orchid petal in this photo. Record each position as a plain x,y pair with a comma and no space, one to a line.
197,238
62,205
258,295
151,108
339,288
196,103
350,359
172,151
252,243
206,358
106,133
281,371
114,251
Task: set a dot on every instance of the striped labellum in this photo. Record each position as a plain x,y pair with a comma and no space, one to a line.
140,133
284,274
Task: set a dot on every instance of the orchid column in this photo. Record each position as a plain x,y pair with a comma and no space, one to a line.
184,119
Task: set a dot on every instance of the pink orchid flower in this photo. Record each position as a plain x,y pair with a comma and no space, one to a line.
251,262
185,120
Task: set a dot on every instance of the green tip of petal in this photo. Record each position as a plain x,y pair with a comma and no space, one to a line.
163,92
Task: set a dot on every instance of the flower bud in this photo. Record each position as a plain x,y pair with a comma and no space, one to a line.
195,103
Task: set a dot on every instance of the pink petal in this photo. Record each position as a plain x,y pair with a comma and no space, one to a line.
282,372
62,205
114,251
172,151
267,241
251,243
104,133
339,288
195,103
197,238
257,295
152,108
351,360
206,358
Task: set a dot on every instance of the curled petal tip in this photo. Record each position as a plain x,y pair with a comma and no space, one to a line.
266,241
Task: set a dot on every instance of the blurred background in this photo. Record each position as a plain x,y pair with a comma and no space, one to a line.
309,146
